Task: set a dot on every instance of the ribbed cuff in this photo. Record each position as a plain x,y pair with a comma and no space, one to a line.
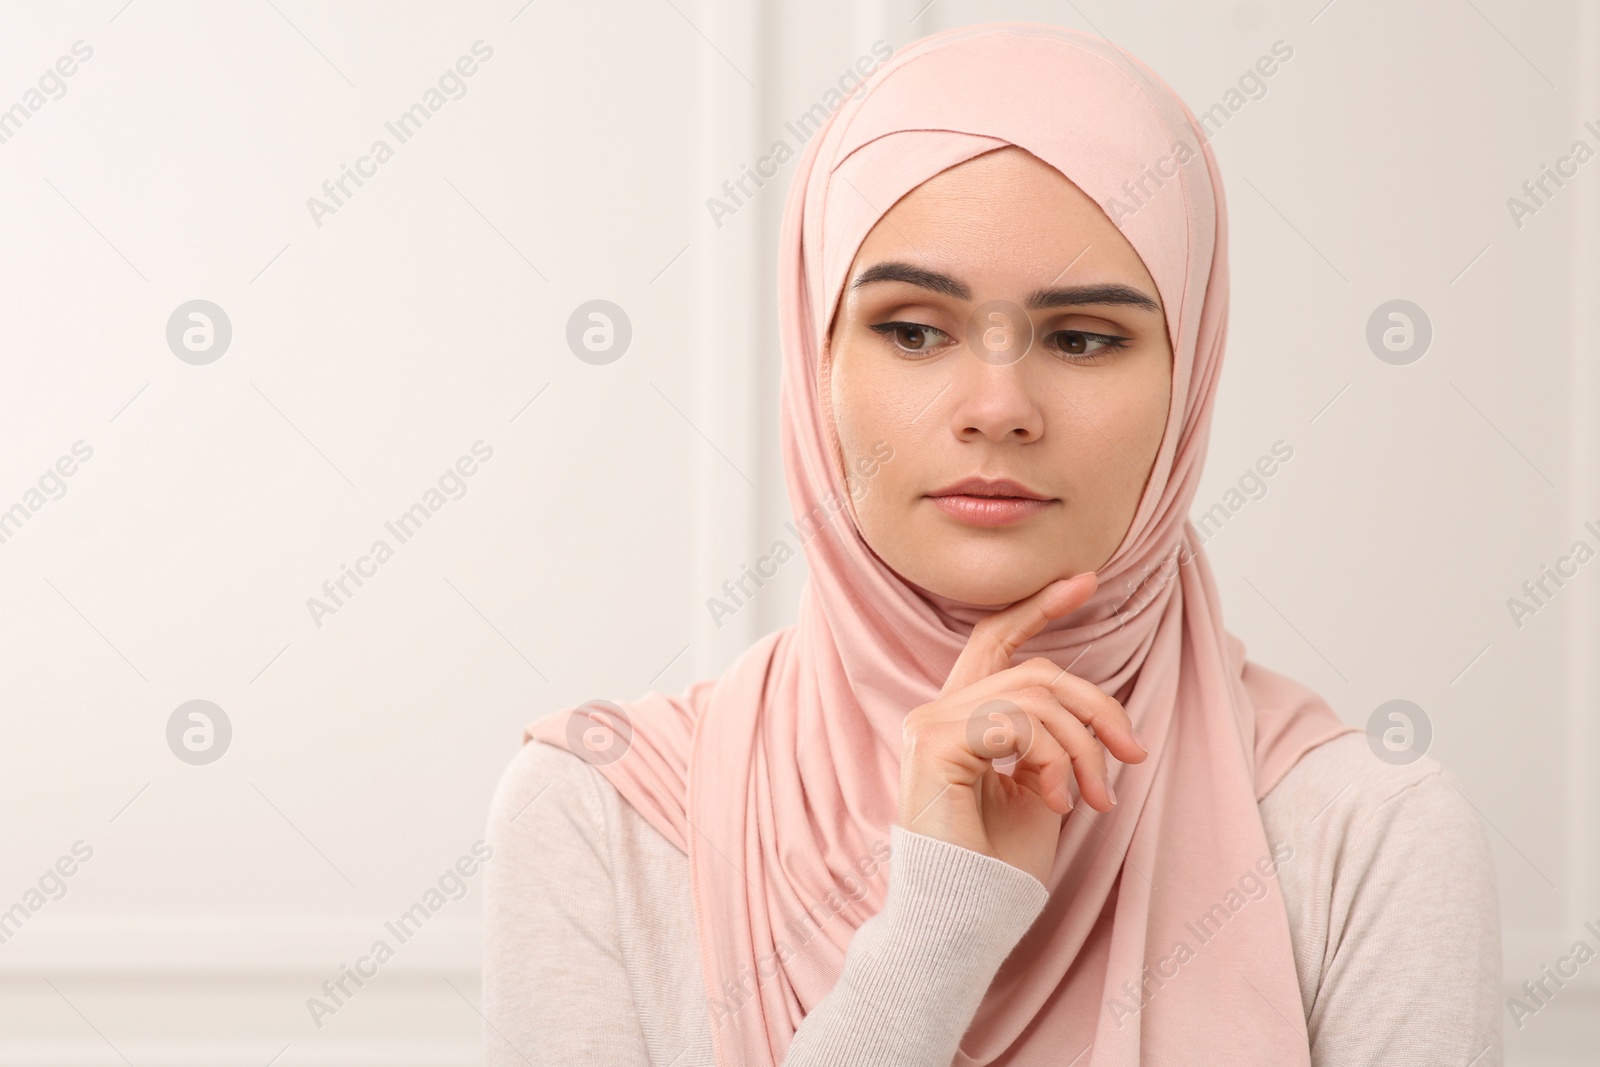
963,907
916,971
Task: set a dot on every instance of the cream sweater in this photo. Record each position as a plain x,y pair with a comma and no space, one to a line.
590,954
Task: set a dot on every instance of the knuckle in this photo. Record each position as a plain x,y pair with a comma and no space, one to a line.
1090,757
913,726
938,734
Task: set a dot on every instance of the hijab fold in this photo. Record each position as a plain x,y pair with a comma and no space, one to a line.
1165,938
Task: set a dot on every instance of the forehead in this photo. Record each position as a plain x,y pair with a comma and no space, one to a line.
1005,219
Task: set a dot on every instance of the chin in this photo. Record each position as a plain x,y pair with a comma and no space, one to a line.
981,575
985,597
989,568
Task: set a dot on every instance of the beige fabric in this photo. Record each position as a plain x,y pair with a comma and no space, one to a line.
590,954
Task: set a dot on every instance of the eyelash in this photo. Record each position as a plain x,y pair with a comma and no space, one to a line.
1110,342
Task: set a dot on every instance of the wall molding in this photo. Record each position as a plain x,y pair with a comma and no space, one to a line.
221,944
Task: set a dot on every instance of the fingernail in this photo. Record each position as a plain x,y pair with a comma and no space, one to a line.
1067,797
1111,793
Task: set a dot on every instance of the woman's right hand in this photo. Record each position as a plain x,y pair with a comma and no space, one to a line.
990,710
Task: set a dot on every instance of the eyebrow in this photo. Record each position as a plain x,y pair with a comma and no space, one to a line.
1038,300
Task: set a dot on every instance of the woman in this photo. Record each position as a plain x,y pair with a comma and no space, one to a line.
1007,792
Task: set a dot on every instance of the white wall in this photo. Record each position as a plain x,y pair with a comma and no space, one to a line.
429,312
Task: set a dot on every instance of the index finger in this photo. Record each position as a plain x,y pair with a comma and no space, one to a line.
996,638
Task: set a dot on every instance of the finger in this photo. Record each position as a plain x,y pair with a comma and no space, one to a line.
1053,791
1071,737
995,638
1001,729
1082,698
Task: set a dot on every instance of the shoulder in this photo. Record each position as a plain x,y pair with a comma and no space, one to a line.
547,795
537,765
1360,828
552,809
572,947
1342,798
1392,902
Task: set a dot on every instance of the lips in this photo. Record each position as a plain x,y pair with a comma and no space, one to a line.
986,487
990,501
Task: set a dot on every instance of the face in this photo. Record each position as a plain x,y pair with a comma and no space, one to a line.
1068,425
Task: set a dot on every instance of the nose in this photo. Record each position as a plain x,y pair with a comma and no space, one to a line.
996,401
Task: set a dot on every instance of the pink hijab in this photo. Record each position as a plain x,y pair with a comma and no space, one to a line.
779,779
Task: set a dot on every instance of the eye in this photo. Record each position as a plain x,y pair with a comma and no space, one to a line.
917,338
1081,346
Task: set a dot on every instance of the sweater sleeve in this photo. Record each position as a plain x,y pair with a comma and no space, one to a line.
1393,909
556,972
915,973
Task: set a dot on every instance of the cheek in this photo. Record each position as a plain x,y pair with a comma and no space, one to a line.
1157,410
1136,415
1108,437
866,408
1147,420
874,418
